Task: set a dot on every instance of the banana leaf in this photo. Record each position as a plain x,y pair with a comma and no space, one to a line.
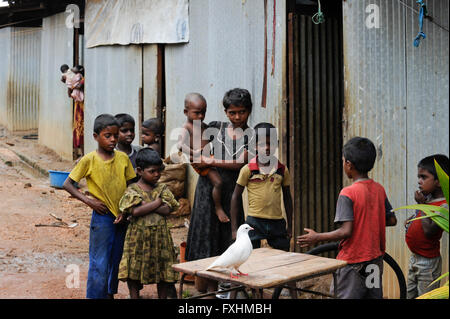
427,208
441,277
443,180
429,216
439,293
438,214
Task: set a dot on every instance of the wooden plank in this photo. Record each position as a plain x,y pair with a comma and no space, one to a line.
266,268
272,277
293,272
258,256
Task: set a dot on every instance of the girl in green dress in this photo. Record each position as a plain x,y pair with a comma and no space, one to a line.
148,252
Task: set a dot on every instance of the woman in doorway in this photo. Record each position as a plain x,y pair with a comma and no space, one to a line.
78,112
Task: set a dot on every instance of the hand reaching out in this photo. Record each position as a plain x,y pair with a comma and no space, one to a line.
309,239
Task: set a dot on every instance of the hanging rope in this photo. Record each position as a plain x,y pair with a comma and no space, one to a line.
318,18
422,13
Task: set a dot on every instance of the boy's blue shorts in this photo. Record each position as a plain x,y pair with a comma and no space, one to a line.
105,252
273,230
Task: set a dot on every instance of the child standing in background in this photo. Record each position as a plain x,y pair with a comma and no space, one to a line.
364,211
66,78
148,252
126,137
76,83
107,173
267,180
152,130
423,236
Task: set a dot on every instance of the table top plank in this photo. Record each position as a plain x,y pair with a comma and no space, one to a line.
260,258
266,268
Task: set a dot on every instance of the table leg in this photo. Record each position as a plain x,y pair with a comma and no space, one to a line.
180,289
335,285
257,294
293,289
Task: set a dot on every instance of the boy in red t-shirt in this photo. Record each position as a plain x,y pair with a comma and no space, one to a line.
363,211
423,236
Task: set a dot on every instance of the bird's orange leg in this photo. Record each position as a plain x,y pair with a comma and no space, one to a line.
233,276
241,273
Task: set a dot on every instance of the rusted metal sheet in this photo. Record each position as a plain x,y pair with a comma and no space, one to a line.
56,108
397,95
226,50
20,77
110,22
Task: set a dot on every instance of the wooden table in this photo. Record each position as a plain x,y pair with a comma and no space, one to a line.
266,268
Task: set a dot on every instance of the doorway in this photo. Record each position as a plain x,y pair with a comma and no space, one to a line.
316,100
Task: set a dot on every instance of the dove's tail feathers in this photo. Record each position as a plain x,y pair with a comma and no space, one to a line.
211,266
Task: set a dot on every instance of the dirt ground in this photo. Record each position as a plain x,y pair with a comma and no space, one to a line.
41,261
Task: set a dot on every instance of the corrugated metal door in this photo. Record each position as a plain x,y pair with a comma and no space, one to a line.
315,117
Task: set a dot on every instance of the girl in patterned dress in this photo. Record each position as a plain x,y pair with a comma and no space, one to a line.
148,252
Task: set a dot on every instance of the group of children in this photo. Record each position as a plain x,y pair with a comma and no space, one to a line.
129,209
130,239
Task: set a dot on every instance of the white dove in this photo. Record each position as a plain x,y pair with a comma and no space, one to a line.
236,254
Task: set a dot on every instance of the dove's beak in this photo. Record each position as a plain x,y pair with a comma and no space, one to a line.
251,228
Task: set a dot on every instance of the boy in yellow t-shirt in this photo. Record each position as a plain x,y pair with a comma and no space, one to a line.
107,172
266,179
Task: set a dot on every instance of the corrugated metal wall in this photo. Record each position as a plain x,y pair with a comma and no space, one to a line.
113,78
20,77
397,95
427,98
5,44
226,50
56,111
114,75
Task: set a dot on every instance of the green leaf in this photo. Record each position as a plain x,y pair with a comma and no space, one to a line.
443,180
423,217
439,293
424,207
441,277
431,211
